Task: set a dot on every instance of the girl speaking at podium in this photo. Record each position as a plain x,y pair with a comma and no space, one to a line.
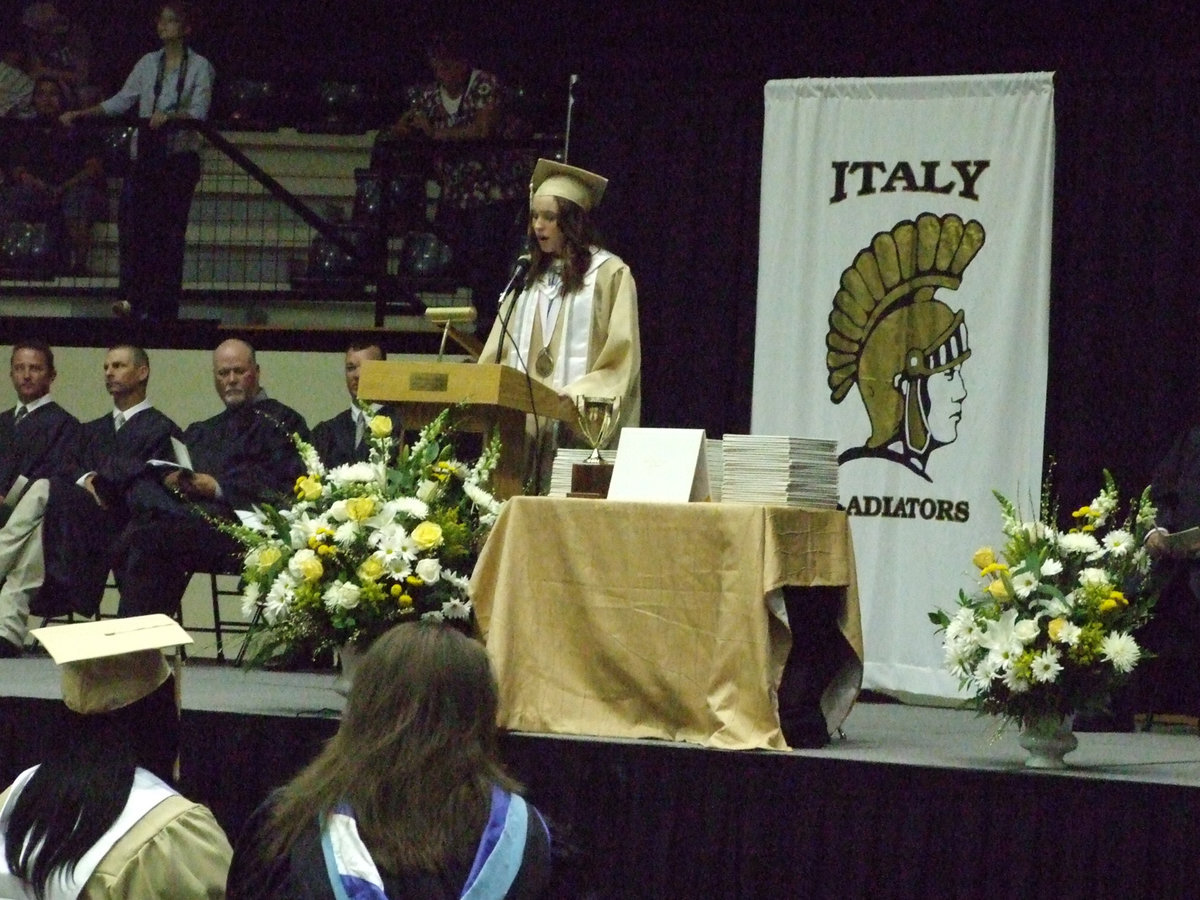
572,323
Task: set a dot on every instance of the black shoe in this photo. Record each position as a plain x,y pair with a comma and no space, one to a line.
9,650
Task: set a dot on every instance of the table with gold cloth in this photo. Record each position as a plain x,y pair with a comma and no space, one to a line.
662,620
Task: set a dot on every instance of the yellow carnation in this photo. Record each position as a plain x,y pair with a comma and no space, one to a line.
984,557
380,426
427,535
359,508
308,488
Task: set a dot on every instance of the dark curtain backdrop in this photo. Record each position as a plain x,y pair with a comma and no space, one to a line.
669,105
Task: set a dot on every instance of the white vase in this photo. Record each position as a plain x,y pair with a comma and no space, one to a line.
349,656
1047,740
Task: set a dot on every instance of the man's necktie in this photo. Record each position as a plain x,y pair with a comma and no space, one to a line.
118,421
359,429
20,415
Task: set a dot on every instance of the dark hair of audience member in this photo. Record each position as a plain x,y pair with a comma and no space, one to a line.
578,239
185,12
38,346
415,756
77,794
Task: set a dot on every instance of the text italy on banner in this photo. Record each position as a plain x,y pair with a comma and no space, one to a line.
903,309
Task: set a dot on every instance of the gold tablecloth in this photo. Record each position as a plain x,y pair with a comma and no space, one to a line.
661,620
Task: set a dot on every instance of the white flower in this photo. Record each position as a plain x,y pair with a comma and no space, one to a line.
1014,682
429,570
962,633
357,473
1104,505
1000,639
481,498
311,459
279,597
460,583
1024,583
434,615
1120,649
428,490
250,599
341,595
346,533
1078,543
1035,531
1094,578
454,608
1051,567
1118,542
1068,634
1026,630
1045,666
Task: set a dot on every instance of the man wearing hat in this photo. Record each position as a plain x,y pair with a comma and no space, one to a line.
573,323
99,818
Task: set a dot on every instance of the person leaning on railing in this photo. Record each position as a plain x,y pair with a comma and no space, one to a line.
167,85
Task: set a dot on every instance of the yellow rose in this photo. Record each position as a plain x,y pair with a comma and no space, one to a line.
308,488
359,508
265,557
427,535
380,426
983,557
371,569
308,566
1055,627
998,590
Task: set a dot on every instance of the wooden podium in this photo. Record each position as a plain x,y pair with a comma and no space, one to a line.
494,396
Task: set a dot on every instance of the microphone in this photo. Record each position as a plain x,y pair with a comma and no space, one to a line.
520,270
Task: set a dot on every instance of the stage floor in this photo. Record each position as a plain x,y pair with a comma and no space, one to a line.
877,733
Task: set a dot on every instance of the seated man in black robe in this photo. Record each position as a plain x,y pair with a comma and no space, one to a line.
345,438
37,435
55,549
242,456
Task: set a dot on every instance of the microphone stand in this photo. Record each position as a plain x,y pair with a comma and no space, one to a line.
571,82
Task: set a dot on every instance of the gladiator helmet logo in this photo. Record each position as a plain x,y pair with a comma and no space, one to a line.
903,347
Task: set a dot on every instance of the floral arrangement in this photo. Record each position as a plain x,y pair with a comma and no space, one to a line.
368,545
1051,629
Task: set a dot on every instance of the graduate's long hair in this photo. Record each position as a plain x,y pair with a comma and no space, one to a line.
579,237
77,794
415,756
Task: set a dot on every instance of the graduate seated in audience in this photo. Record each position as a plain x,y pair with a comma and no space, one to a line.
409,799
99,818
344,438
56,546
241,457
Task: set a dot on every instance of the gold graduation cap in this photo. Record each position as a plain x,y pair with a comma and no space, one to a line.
555,179
112,663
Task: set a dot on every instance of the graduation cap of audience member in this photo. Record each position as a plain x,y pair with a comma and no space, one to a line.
111,664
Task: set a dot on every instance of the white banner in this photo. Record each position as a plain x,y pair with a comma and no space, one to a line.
903,310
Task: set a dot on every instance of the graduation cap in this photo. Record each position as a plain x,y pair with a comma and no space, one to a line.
113,663
572,183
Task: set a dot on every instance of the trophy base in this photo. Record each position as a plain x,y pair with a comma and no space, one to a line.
590,480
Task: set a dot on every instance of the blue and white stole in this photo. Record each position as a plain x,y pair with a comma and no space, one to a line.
353,875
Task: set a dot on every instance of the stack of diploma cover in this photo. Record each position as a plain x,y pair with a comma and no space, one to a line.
790,471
